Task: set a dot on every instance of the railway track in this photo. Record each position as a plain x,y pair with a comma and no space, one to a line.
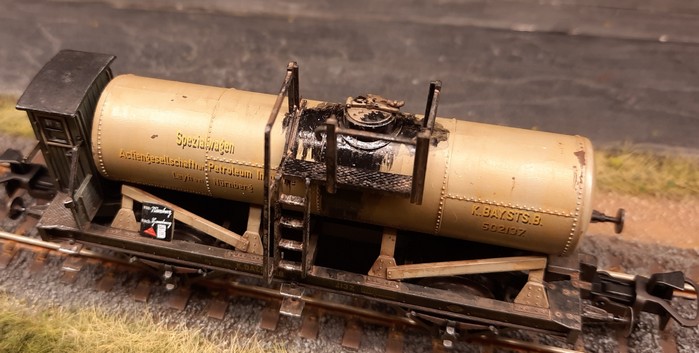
355,314
316,305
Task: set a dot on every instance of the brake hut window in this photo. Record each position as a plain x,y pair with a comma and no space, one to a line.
54,130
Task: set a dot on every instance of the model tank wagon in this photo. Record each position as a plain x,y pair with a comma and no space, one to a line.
468,226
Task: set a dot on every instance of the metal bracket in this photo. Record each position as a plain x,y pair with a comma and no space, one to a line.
534,293
292,302
385,259
449,336
125,218
169,278
70,248
252,234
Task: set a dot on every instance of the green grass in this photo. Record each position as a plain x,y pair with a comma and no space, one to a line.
644,173
13,121
37,330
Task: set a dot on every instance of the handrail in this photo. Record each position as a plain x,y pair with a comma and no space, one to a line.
421,143
331,154
290,88
364,134
432,103
422,148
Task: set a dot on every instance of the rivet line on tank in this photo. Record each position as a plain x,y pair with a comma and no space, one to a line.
99,137
206,180
442,196
579,197
519,207
208,136
233,161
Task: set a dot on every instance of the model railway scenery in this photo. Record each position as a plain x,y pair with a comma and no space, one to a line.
464,231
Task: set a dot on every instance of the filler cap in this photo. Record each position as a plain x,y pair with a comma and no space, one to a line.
372,113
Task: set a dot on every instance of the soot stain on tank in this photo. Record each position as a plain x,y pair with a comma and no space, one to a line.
348,154
581,157
581,160
411,126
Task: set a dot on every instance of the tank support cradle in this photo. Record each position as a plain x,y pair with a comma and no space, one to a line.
533,293
385,259
252,233
250,242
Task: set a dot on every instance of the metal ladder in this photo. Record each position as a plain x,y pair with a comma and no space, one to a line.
278,220
292,232
277,216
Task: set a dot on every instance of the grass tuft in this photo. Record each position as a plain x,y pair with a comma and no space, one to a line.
38,330
646,173
13,121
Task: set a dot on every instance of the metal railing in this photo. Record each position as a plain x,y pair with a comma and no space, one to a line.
421,143
290,88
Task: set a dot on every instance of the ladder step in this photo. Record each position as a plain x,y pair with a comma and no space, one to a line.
291,222
289,265
292,200
291,244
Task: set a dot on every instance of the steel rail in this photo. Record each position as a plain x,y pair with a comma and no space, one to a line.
57,247
365,315
688,292
519,345
256,291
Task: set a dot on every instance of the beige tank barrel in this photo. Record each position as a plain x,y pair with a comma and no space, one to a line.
181,136
519,188
499,185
